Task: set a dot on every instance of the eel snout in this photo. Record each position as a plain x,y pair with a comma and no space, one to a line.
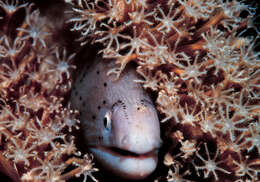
137,140
139,132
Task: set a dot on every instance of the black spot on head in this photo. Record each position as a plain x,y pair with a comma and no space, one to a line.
119,102
124,106
125,113
145,102
80,98
99,107
97,72
104,102
105,84
138,108
142,102
94,117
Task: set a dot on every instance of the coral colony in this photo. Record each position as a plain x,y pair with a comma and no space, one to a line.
192,54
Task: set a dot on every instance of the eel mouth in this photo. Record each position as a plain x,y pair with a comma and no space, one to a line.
126,164
115,151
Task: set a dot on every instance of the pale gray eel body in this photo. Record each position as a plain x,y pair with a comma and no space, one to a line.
119,120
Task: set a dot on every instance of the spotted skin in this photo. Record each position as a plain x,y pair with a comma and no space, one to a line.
119,120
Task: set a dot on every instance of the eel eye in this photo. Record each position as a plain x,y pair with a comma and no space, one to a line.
107,121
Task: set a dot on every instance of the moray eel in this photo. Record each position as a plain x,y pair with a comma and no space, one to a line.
118,119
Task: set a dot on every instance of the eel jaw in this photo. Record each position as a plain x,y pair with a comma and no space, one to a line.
126,164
